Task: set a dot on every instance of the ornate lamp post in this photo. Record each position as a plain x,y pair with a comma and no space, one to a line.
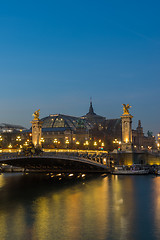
36,129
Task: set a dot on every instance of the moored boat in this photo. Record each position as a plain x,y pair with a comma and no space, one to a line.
157,172
130,172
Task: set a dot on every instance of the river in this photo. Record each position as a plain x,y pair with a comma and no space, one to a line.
36,207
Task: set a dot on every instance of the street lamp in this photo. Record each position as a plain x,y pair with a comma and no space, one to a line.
55,141
77,144
10,146
95,144
25,144
18,139
67,142
1,139
116,141
86,143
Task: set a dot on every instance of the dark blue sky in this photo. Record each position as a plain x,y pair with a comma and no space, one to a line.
54,55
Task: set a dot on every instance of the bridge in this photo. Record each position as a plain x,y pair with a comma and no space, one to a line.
66,162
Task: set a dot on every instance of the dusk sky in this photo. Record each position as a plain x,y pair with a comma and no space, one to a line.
55,55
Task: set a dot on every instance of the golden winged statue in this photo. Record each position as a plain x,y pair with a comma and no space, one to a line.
126,108
36,114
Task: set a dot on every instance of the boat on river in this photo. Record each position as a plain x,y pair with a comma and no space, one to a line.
129,171
157,172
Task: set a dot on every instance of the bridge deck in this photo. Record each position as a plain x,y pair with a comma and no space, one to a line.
54,162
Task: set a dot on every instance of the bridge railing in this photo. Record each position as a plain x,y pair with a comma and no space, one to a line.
99,158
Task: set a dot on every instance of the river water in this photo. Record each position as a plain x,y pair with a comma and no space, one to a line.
36,207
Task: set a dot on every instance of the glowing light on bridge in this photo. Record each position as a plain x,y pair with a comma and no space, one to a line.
42,140
86,143
126,140
67,141
18,139
56,141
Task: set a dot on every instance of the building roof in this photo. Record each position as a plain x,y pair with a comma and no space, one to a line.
113,126
6,127
65,122
91,116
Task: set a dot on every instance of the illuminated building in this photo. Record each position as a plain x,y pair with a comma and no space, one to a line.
67,130
93,118
64,131
9,128
142,142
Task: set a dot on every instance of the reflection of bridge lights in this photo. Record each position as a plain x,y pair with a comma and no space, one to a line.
71,175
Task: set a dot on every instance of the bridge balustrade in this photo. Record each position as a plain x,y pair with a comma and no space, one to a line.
99,158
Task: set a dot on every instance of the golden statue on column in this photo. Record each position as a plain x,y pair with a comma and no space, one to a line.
36,114
126,109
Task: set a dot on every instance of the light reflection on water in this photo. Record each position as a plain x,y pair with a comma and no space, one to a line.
33,207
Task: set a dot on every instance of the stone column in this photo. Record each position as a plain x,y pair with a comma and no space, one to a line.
36,130
126,129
